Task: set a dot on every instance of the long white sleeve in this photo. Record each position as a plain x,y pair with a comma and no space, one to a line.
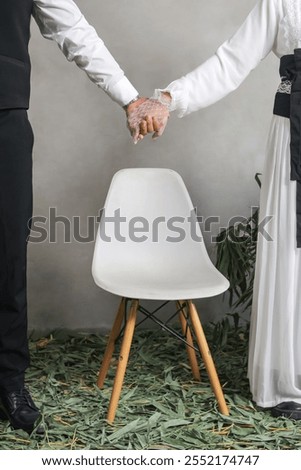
62,21
230,65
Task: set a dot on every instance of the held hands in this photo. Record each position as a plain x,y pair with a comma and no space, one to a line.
147,116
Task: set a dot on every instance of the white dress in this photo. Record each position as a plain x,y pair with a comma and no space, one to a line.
274,368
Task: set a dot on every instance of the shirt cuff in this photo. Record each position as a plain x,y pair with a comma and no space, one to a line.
179,97
122,92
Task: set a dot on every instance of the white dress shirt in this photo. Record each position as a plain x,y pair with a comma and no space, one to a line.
63,22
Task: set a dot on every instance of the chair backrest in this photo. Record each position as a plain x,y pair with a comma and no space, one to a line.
148,223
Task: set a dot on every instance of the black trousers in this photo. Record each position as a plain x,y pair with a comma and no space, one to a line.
16,142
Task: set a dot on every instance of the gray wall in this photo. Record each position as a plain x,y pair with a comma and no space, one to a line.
81,140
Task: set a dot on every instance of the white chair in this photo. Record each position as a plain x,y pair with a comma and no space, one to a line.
149,246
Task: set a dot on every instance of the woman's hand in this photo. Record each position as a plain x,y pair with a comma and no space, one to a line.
147,116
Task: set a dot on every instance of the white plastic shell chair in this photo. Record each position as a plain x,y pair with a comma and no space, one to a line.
149,246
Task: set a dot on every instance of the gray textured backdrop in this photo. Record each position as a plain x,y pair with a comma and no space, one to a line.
81,140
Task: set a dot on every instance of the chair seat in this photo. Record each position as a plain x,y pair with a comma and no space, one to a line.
174,283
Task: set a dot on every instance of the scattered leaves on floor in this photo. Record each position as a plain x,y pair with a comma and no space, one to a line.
161,406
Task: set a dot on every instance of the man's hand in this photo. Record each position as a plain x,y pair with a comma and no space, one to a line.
146,115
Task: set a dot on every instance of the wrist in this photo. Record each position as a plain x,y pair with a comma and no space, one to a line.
125,107
164,97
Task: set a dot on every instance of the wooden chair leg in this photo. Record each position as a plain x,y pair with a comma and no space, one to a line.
189,347
207,358
123,360
111,344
